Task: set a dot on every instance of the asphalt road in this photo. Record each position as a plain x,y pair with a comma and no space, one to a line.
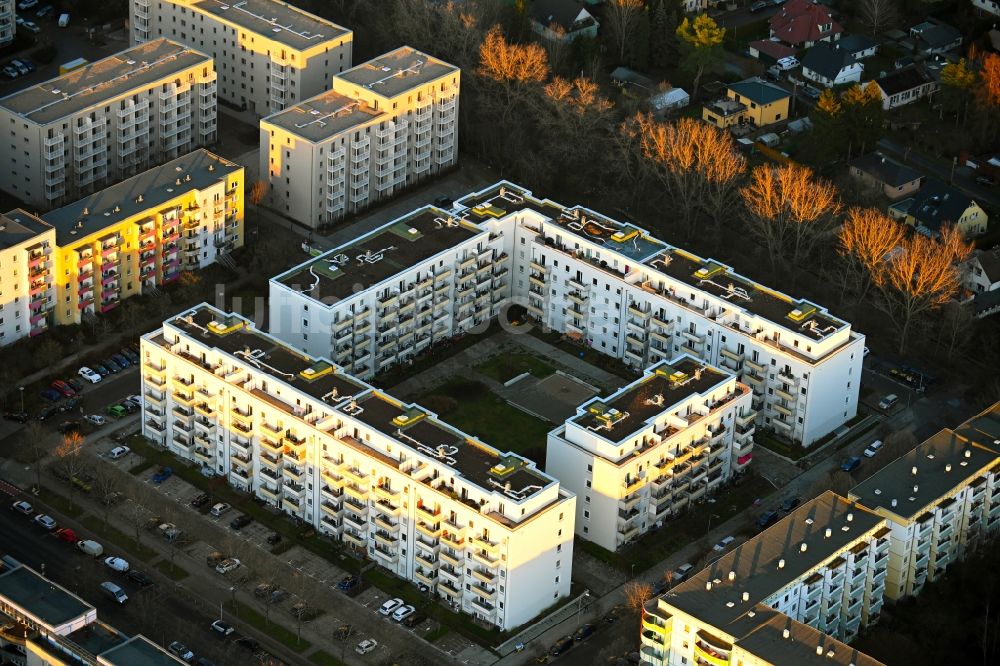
964,178
156,612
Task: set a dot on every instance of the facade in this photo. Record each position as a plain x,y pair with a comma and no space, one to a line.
829,65
937,205
982,271
8,16
27,266
818,575
941,501
269,54
803,23
753,100
485,529
44,624
385,125
905,86
987,6
652,449
860,47
562,20
879,172
932,37
107,120
430,275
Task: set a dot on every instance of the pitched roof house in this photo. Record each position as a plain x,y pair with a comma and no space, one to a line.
829,65
562,20
933,36
894,179
905,86
937,205
983,271
859,46
803,23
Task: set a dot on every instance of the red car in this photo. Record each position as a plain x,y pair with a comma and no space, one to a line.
63,388
66,534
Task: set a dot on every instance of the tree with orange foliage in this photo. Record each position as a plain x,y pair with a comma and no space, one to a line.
789,210
69,460
511,68
637,594
257,191
987,96
696,163
921,276
865,239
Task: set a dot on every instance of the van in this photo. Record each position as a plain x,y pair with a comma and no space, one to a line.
888,401
113,591
90,547
63,20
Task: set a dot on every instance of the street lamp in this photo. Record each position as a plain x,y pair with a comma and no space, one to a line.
579,606
20,390
709,528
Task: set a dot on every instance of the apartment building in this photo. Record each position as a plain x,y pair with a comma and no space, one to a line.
433,274
653,448
73,134
486,530
8,17
27,264
44,624
269,54
794,594
385,125
941,501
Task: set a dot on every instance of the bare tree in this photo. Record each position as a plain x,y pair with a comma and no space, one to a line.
70,461
107,482
954,325
511,69
35,435
621,18
637,594
866,237
878,15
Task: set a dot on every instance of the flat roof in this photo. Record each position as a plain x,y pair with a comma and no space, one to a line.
395,72
946,460
40,597
379,255
279,21
139,651
755,563
196,170
767,641
95,84
636,245
664,385
19,226
324,116
97,637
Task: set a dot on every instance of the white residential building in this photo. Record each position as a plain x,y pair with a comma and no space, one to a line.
988,6
385,125
269,54
485,529
793,594
27,264
433,274
656,446
8,16
942,500
106,121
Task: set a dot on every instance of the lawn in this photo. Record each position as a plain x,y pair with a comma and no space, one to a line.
113,535
171,570
591,356
324,659
473,408
505,367
792,451
60,503
286,637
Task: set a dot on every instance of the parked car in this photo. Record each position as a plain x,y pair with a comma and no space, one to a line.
561,646
213,558
101,369
872,449
759,6
89,375
219,509
25,5
682,572
767,519
445,202
66,534
111,365
180,650
70,405
389,606
273,539
130,355
222,628
114,591
270,592
403,612
723,544
162,474
95,419
90,547
414,620
31,26
135,400
121,361
239,522
46,521
10,72
584,632
790,504
886,403
366,646
47,412
787,63
119,452
19,417
850,464
25,61
22,507
227,565
74,384
139,578
116,564
46,11
117,411
200,500
51,395
985,181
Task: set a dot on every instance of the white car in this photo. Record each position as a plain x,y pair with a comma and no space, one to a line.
873,448
227,565
223,628
219,509
135,400
31,26
45,521
403,612
89,375
22,507
788,62
95,419
180,650
27,4
116,564
119,452
389,606
723,544
366,646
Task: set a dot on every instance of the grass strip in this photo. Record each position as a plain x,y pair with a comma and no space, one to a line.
113,535
283,635
171,570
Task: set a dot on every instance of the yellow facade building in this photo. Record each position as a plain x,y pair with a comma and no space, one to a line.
752,101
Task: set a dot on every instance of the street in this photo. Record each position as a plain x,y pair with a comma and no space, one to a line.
964,178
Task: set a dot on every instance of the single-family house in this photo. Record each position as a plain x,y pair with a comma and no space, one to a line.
802,23
982,271
753,101
769,51
562,20
987,6
859,46
829,65
905,86
932,36
879,172
937,205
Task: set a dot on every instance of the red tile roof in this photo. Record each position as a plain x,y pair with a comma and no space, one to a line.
799,21
774,49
